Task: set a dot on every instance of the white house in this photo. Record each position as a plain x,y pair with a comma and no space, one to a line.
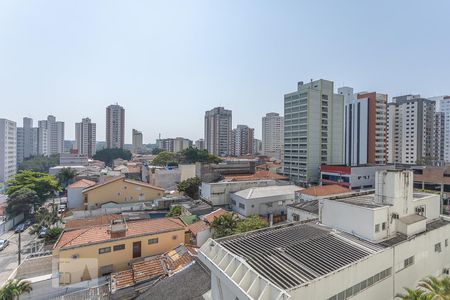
366,246
264,201
303,211
75,193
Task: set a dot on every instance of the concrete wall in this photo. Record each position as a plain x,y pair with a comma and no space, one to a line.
187,171
75,198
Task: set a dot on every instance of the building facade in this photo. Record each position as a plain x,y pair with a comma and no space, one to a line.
272,135
173,145
365,127
442,127
218,131
115,126
200,144
411,130
137,141
8,150
242,140
86,137
313,130
26,140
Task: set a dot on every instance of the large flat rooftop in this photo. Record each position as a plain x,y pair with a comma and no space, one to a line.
297,253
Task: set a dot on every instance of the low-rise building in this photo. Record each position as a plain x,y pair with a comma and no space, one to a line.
75,193
218,193
367,246
266,201
119,190
303,211
319,192
73,159
95,251
355,178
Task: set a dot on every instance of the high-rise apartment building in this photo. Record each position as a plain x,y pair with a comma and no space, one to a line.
411,130
257,146
26,140
218,131
365,127
173,145
200,144
115,126
50,136
242,140
272,135
8,149
443,109
86,137
313,130
137,141
439,137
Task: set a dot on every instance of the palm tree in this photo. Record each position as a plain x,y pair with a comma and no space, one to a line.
14,288
414,295
66,176
224,225
439,289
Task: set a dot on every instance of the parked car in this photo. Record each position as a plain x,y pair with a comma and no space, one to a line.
62,208
28,223
42,233
3,244
20,228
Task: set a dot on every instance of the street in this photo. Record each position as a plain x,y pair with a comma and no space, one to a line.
8,257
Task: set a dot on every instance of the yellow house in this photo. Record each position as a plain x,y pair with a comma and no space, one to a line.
88,253
120,190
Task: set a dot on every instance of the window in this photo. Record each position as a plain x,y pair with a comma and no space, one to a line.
153,241
408,262
104,250
174,237
446,242
233,202
242,205
383,226
377,228
295,217
437,247
119,247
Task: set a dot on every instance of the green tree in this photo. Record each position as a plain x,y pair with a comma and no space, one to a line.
52,235
21,201
109,155
39,163
192,155
175,211
190,187
156,151
44,218
414,295
164,158
438,288
251,223
66,176
42,184
13,288
225,225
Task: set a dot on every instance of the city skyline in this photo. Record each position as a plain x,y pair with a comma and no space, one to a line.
120,56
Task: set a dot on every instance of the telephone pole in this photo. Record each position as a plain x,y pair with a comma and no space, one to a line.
18,245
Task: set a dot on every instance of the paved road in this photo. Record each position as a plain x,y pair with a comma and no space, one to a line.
8,257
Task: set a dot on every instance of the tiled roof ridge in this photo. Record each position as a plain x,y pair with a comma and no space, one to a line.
87,229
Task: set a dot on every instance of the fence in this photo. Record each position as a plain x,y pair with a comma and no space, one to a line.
8,225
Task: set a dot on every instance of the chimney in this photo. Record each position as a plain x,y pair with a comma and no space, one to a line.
118,228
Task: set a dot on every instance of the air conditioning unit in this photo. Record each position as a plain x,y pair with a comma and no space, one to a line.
420,209
394,216
446,271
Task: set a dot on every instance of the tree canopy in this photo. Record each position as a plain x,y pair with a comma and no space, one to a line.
22,201
175,211
229,224
190,187
164,158
109,155
40,163
66,176
38,186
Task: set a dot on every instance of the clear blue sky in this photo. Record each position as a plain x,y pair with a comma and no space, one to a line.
167,62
